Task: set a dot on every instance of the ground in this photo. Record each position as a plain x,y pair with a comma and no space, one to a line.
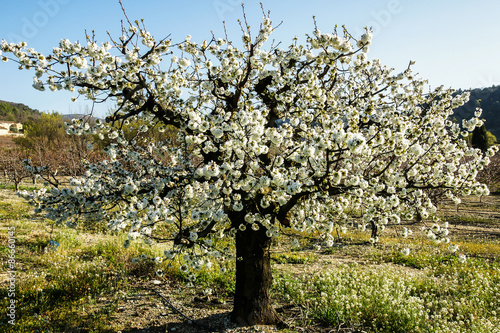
476,218
161,304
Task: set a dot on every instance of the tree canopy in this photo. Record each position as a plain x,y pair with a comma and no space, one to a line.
308,137
480,139
48,129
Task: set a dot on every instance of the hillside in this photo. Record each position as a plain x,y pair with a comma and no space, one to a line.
69,117
490,103
17,112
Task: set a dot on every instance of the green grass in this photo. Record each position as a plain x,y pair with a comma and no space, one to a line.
60,292
21,187
56,288
222,285
481,249
293,258
466,218
419,259
444,298
13,210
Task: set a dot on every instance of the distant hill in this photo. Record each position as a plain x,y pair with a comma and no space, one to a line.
69,117
490,103
17,112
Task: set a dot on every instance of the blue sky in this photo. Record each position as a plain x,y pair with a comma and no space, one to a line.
455,43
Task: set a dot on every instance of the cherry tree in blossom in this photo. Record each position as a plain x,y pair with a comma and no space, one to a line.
309,137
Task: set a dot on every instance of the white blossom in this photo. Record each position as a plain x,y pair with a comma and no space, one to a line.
313,137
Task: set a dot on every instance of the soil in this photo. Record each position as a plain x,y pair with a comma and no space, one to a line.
163,306
6,141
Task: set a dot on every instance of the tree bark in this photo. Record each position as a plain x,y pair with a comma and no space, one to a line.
252,303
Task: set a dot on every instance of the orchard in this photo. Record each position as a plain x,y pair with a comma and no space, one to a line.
309,137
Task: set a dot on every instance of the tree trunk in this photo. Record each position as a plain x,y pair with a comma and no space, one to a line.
252,303
374,229
16,180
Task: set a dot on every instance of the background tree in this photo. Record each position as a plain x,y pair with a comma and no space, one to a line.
49,129
491,174
47,142
11,164
479,138
304,137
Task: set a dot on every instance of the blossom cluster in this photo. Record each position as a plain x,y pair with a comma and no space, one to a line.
309,137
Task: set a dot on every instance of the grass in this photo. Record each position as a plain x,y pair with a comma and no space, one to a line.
80,284
479,249
21,187
419,260
56,286
220,285
445,298
466,218
293,258
73,284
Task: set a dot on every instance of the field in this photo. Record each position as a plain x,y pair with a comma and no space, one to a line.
6,141
85,281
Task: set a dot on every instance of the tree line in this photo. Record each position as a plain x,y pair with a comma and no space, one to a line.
49,151
46,151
